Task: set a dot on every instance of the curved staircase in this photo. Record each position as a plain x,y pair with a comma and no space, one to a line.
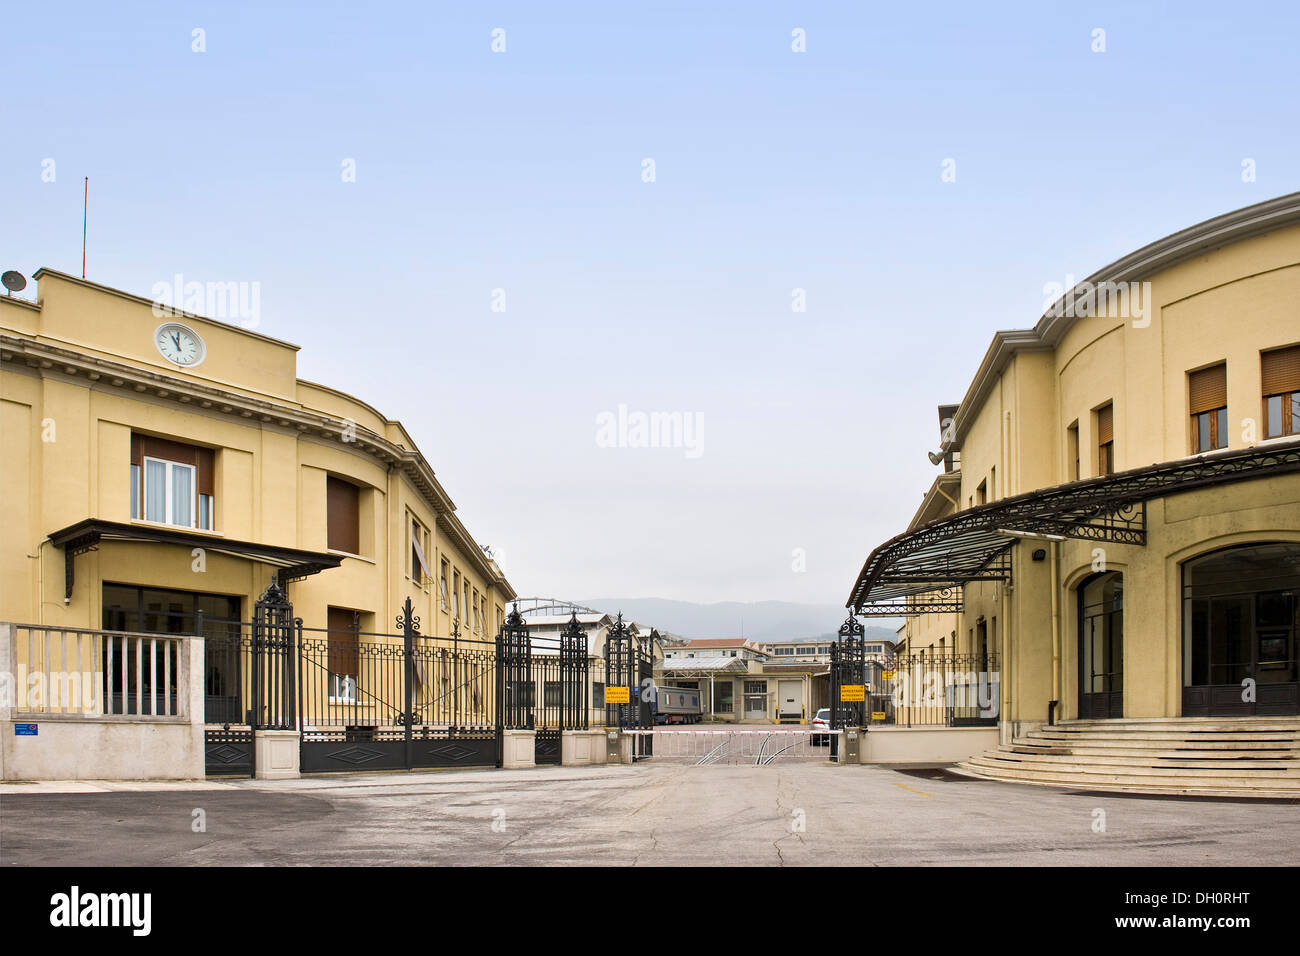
1214,756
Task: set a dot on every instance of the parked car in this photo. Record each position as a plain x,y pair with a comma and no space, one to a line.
822,721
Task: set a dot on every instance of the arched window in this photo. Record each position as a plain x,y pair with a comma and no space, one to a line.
1101,646
1241,617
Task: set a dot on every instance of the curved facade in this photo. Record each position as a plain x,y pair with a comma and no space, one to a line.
1185,351
161,465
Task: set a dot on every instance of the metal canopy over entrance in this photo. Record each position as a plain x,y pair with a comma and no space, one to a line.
294,563
923,571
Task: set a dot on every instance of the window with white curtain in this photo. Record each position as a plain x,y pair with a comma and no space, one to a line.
169,492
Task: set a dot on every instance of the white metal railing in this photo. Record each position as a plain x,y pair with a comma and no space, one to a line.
87,673
754,746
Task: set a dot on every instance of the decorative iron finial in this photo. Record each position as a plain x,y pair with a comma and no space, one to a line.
408,617
851,627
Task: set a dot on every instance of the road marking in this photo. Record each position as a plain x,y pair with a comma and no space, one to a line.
910,790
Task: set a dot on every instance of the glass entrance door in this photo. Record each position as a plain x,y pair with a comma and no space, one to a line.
1101,647
1241,626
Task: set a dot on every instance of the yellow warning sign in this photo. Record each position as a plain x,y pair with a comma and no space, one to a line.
851,693
887,675
617,695
877,715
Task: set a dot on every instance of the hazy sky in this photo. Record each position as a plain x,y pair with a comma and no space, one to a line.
523,171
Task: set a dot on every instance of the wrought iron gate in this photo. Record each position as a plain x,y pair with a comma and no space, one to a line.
376,701
389,701
630,665
248,682
561,670
849,687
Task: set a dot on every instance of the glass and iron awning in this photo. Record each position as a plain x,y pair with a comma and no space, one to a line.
294,563
924,570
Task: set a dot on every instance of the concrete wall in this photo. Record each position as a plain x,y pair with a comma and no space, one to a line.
518,749
105,747
893,745
580,748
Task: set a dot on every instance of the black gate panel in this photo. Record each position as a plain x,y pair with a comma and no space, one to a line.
228,752
330,751
546,748
455,749
349,752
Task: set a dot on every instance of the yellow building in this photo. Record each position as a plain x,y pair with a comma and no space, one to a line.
158,464
1118,518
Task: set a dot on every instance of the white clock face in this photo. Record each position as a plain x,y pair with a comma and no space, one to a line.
179,345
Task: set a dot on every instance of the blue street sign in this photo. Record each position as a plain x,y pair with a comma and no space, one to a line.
25,730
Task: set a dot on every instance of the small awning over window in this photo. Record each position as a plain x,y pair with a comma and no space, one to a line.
86,535
924,570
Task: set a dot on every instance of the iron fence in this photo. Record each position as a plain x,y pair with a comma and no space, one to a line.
941,690
360,679
248,672
390,700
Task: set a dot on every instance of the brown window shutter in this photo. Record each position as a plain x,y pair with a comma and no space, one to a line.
168,450
202,459
1105,424
1207,389
343,641
206,458
342,515
1280,370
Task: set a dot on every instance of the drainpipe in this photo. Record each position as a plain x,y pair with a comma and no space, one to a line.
1056,635
1003,683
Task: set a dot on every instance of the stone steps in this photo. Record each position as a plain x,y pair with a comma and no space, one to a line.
1139,764
1251,756
1162,752
1118,784
1150,743
1196,724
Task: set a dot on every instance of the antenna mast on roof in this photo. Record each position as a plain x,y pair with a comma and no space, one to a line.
85,203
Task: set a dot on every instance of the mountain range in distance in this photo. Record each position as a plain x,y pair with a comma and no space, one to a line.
759,621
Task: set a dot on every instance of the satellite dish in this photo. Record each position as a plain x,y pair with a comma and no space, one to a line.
13,281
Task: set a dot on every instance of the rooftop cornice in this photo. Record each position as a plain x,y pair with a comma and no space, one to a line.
167,309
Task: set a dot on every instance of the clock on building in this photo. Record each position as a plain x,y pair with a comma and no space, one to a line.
179,344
